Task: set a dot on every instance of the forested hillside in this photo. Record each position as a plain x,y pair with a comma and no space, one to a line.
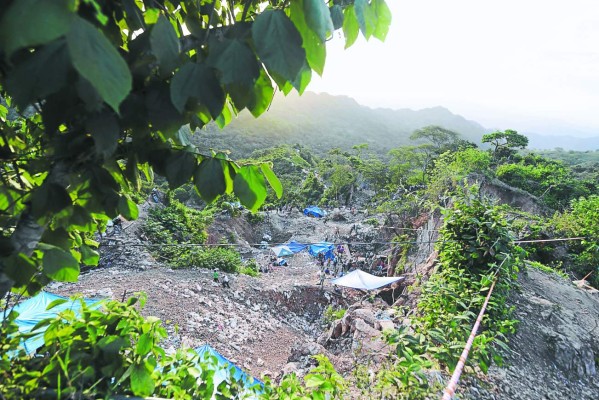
322,122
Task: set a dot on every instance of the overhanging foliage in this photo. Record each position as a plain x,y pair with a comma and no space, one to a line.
94,93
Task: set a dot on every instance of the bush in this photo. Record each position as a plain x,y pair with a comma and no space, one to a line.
250,268
222,258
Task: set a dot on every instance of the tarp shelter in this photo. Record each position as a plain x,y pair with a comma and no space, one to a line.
313,211
296,247
34,310
282,251
322,247
225,369
359,279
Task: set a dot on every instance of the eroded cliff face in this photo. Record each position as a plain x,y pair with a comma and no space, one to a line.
555,351
506,194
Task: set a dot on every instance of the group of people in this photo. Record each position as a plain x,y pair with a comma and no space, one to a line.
224,281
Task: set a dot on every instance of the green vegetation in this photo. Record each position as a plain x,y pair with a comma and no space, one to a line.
331,314
115,351
475,249
581,220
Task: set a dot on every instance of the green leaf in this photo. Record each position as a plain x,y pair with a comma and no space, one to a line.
142,383
105,131
40,74
60,265
318,18
128,208
49,198
337,16
197,82
20,268
99,62
303,79
279,44
111,345
350,26
383,19
165,45
55,303
366,17
224,118
144,344
81,219
263,95
209,179
30,23
272,179
235,61
315,48
179,168
250,187
88,255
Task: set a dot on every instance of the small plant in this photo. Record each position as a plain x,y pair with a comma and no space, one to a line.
372,222
546,268
330,315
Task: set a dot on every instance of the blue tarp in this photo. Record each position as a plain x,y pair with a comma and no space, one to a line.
34,310
296,247
323,247
313,211
225,369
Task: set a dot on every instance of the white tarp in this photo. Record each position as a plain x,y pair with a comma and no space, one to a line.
282,251
361,280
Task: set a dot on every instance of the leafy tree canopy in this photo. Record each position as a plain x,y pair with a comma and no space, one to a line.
504,143
94,94
438,136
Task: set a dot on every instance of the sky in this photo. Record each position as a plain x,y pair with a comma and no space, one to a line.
529,65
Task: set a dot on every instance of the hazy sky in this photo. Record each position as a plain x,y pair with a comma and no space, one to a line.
530,65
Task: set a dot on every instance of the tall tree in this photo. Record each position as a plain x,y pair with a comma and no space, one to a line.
95,93
505,143
439,137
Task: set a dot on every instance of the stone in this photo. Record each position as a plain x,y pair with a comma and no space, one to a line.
365,315
384,324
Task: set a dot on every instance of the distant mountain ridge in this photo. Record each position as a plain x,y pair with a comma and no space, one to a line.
542,142
323,121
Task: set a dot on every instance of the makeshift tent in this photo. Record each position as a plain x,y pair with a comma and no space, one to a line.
282,251
225,369
361,280
296,247
34,310
323,247
313,211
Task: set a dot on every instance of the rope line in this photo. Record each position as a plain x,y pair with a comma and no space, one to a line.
455,377
115,238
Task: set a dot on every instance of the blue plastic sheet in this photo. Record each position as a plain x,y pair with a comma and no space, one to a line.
34,310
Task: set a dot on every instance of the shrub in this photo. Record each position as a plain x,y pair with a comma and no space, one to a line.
222,258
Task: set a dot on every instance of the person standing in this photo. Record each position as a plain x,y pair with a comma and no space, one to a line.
215,276
226,282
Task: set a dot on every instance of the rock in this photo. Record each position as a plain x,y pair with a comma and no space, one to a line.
337,329
289,368
383,324
259,362
365,315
